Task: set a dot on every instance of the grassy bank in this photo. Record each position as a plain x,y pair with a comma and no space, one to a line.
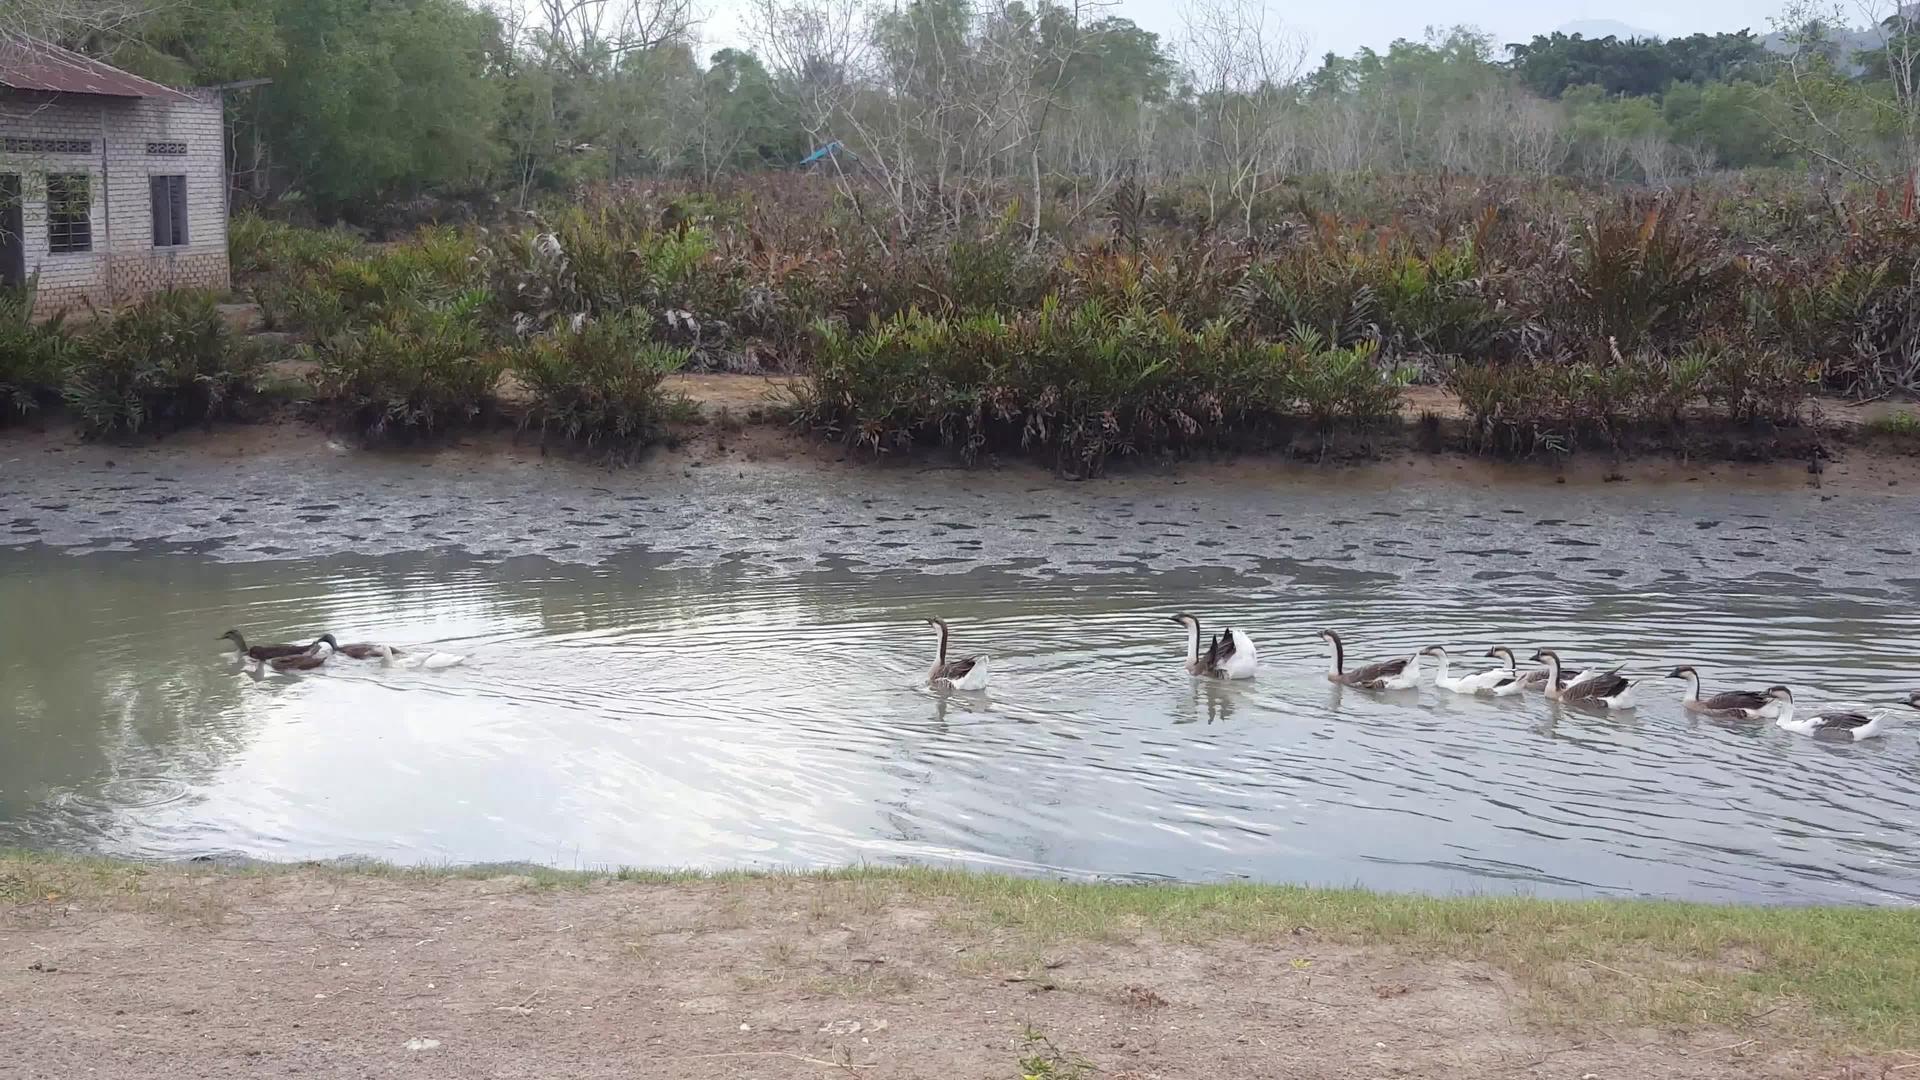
1841,974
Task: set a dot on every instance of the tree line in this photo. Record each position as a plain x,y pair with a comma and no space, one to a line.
944,108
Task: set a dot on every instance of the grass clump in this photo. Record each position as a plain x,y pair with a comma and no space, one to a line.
167,361
418,369
34,357
597,380
260,245
1899,425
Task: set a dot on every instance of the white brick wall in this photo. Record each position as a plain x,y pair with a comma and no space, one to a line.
123,263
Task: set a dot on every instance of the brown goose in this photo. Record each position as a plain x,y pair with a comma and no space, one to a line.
1608,689
1385,675
965,673
1230,655
315,656
261,652
1729,705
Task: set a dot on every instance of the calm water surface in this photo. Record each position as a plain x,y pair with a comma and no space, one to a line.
643,711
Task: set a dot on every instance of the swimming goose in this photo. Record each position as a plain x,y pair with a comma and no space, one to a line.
1729,705
1385,675
1475,683
1536,679
1230,655
314,656
1834,723
261,652
368,650
392,657
966,673
1609,688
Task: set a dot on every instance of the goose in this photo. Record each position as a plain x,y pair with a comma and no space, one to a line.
1386,675
368,650
392,657
1834,723
1536,679
314,656
966,673
1478,682
1729,705
1230,655
1606,688
261,652
1529,680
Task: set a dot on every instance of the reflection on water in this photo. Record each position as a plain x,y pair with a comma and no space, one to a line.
625,714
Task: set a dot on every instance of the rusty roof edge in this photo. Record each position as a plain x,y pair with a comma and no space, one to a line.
28,63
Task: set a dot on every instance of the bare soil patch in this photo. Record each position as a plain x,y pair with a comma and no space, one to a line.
318,972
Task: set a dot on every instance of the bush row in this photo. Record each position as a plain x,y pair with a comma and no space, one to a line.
416,365
166,362
1429,270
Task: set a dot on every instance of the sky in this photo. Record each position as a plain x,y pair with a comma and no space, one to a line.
1343,27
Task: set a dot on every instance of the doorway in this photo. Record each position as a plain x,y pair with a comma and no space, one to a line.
13,240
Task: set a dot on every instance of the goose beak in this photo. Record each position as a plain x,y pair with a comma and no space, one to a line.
1677,673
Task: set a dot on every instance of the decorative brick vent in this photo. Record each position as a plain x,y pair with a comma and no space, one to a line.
13,145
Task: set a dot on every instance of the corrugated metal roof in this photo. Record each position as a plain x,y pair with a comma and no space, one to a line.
26,64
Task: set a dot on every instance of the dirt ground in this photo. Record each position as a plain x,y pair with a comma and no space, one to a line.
319,973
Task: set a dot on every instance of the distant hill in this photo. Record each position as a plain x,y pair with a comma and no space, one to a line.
1599,28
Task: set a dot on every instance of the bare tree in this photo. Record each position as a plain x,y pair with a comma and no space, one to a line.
68,21
1852,126
586,33
1243,63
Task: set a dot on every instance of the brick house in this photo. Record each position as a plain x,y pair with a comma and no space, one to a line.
111,186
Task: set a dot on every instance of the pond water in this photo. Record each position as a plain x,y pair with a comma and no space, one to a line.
692,692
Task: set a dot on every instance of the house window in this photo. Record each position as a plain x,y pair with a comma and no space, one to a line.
169,210
69,213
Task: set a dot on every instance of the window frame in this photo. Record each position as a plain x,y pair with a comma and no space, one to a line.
167,203
69,233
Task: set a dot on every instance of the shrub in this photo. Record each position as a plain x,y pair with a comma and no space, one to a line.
424,367
258,245
167,360
1644,273
1081,383
360,287
1335,385
33,356
598,380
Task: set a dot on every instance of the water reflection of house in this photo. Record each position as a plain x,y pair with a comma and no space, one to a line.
111,186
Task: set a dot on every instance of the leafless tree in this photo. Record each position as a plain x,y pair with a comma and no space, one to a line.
1243,62
584,34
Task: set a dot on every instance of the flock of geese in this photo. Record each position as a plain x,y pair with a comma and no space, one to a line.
1231,655
294,659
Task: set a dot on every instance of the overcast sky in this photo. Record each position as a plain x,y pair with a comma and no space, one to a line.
1345,25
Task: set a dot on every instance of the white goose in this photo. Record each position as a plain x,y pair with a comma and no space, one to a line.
1835,723
1608,689
1230,655
439,661
965,673
1475,683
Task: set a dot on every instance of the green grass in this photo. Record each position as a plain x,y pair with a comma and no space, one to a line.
1848,974
1900,425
